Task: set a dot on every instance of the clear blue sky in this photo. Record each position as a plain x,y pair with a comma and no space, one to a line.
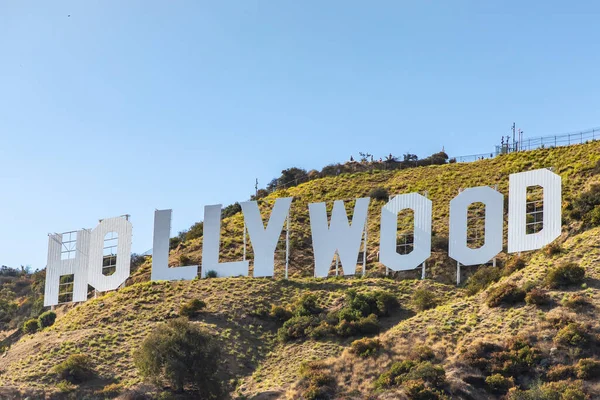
128,106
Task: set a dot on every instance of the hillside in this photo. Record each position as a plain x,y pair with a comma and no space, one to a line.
455,332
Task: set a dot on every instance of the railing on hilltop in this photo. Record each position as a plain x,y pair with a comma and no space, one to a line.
566,139
473,157
526,144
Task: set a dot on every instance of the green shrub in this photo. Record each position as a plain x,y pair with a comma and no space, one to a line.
212,274
417,389
515,264
552,249
368,325
573,335
394,375
183,356
564,275
321,330
565,390
424,299
307,306
184,260
586,207
440,243
498,384
75,369
481,279
380,194
231,210
316,381
537,297
195,231
365,347
46,319
434,375
408,370
588,368
297,327
30,326
279,313
517,357
65,387
560,373
422,353
378,302
192,308
575,302
507,294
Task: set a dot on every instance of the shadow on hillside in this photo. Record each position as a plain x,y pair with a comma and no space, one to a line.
321,284
590,282
10,339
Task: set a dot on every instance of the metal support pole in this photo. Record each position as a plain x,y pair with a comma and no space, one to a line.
423,270
287,245
457,273
364,266
337,264
244,240
494,262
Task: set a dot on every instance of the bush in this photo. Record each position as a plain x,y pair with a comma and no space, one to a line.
418,390
297,327
552,249
368,325
30,326
424,299
184,260
195,231
440,243
498,384
575,302
377,302
316,381
380,194
560,373
65,387
75,369
588,368
211,274
46,319
307,306
505,294
231,210
515,264
586,206
183,356
518,357
566,390
573,335
365,347
564,275
537,297
192,308
279,313
481,279
422,353
408,370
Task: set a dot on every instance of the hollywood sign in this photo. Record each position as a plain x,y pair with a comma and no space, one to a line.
101,257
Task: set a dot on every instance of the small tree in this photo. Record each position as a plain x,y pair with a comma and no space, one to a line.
30,326
181,355
46,319
76,368
380,194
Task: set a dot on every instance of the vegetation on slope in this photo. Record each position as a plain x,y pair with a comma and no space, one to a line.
539,334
